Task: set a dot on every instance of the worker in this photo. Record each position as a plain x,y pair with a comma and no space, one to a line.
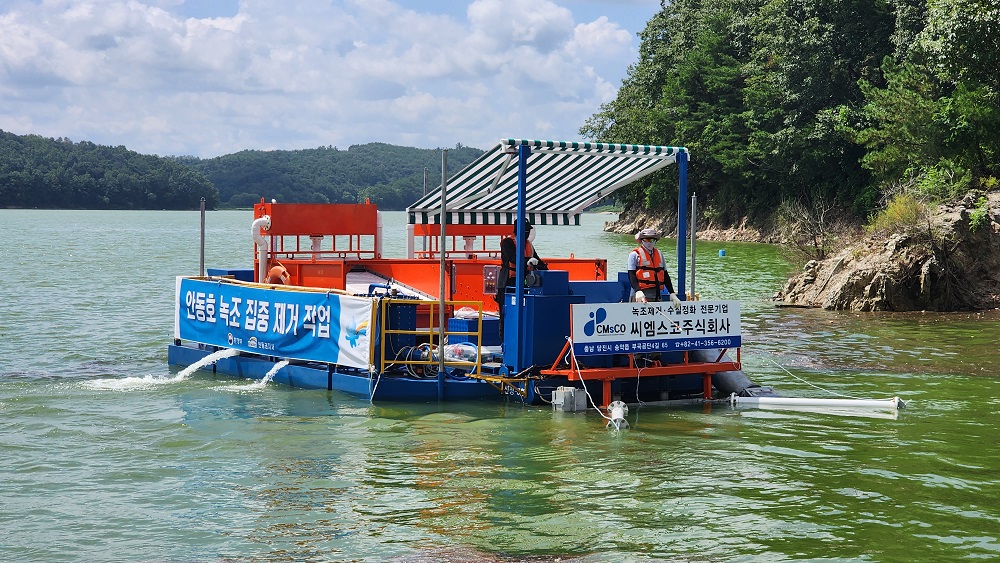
647,271
529,261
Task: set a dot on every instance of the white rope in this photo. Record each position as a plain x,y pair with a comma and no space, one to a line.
638,378
576,366
371,396
799,379
664,315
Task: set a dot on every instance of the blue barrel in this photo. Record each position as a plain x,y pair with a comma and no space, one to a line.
722,252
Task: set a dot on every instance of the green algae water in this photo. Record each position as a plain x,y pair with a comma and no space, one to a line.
109,455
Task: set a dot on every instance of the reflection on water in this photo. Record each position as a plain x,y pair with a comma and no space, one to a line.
97,462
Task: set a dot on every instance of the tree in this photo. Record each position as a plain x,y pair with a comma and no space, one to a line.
758,90
686,90
932,125
57,173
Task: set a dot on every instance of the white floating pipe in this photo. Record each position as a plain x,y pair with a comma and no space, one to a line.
255,227
892,404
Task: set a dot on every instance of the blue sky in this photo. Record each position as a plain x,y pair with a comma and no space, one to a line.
205,78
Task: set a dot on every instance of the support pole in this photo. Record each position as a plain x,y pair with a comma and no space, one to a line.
682,191
694,237
201,270
441,244
523,152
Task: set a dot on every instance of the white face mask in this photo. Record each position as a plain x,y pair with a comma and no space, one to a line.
531,235
648,245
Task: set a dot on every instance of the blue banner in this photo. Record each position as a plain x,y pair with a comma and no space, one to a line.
287,323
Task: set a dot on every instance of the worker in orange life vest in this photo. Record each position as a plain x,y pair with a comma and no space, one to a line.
508,252
508,255
647,270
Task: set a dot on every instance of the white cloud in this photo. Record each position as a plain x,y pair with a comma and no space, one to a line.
294,75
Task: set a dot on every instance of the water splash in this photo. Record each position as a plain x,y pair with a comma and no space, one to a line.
206,361
269,375
146,382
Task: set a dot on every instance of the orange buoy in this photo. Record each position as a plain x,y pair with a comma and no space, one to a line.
277,275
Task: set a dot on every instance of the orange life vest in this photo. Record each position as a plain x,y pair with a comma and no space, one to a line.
529,251
649,273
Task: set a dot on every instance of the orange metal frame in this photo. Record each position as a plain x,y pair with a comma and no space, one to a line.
348,231
488,238
607,375
353,230
295,219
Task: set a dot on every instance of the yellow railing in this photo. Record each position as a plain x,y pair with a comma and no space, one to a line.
431,337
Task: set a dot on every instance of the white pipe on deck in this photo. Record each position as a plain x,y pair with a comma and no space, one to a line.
255,227
884,404
378,234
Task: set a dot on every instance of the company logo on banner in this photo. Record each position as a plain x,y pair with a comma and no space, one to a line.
632,328
323,327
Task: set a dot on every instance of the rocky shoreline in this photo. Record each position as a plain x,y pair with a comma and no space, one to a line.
632,221
950,264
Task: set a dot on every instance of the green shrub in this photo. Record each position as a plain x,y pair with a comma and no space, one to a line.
945,181
979,213
904,213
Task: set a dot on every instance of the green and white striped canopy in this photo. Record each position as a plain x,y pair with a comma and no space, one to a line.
563,179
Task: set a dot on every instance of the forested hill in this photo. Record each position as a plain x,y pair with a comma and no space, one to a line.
814,105
391,176
38,172
60,174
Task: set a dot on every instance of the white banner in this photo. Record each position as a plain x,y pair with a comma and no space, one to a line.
631,328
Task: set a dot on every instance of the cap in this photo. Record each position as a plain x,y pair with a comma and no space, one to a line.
647,233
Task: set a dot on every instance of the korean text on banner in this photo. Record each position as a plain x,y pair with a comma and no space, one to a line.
301,325
633,328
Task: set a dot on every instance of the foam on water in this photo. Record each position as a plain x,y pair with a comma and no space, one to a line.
148,381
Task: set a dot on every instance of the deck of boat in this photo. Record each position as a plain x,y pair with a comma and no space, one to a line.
361,283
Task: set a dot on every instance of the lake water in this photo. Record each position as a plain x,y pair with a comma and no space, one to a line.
107,455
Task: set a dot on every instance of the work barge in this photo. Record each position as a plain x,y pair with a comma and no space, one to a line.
323,308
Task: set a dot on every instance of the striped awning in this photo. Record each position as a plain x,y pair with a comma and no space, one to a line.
563,179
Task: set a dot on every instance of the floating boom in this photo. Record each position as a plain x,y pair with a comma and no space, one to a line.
893,404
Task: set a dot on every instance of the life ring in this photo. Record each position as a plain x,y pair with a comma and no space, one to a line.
277,275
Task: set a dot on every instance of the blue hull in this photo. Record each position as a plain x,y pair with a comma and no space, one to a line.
319,376
414,390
